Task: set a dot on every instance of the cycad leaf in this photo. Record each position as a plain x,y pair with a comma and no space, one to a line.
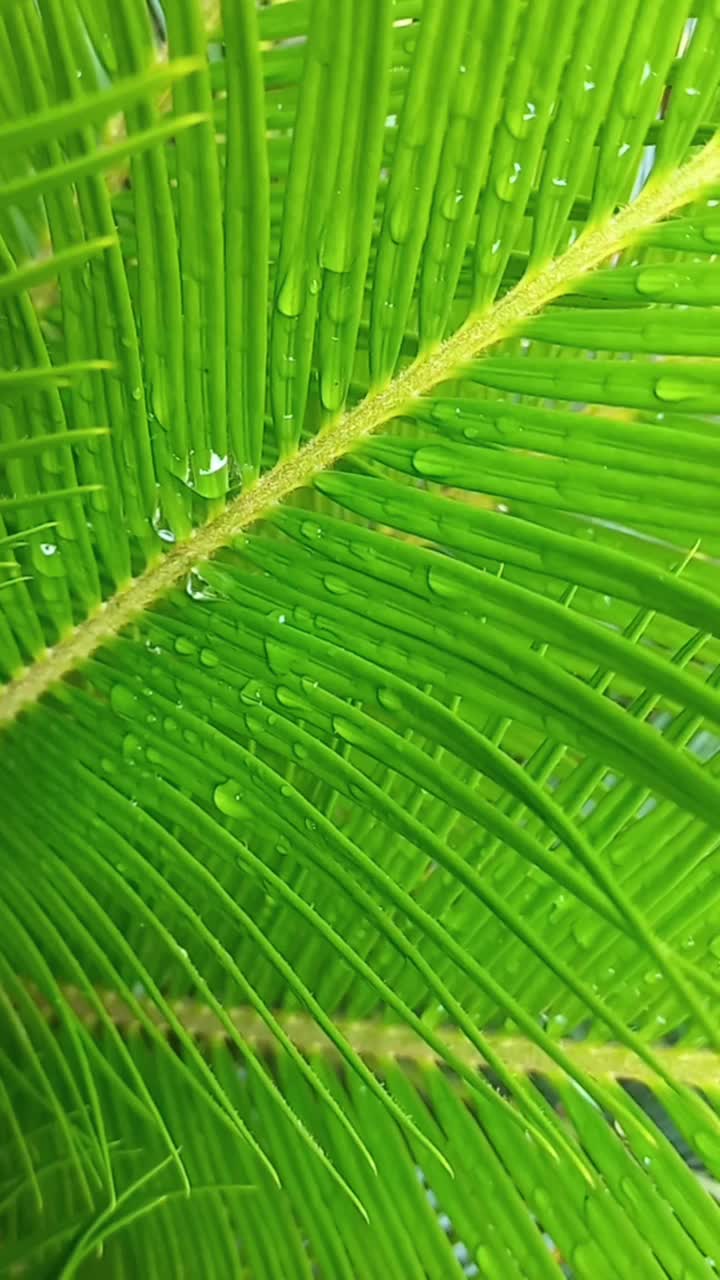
359,909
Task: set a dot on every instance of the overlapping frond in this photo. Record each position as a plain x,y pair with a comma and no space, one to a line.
358,451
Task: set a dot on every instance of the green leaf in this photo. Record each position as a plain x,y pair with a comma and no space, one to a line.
359,775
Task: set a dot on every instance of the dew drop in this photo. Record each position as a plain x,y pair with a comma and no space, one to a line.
124,701
279,656
159,524
131,746
228,800
208,658
389,699
655,280
195,586
433,461
290,297
670,388
215,464
346,729
288,698
450,206
441,583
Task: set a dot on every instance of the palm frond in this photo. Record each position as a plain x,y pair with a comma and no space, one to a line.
359,907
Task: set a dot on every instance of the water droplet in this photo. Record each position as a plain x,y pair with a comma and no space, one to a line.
675,388
441,583
254,725
520,121
450,206
401,212
48,548
185,646
389,699
159,524
434,461
347,729
655,280
215,464
124,702
209,658
251,693
196,586
288,698
291,296
137,393
131,746
504,185
279,656
336,586
229,801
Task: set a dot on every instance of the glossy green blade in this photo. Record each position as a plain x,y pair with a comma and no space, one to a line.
360,777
